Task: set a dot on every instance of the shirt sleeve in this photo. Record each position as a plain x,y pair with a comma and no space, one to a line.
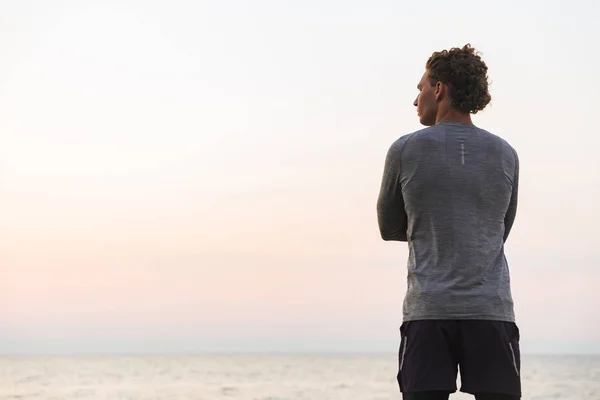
391,215
511,213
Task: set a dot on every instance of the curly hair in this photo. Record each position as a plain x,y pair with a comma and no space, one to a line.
465,73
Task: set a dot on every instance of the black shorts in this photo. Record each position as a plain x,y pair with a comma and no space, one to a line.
487,352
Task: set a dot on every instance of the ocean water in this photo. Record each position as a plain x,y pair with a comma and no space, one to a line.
254,377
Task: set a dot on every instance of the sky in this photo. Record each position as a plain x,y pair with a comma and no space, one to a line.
201,176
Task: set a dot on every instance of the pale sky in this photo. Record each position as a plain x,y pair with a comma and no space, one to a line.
202,175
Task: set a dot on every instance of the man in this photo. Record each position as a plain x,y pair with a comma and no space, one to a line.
450,192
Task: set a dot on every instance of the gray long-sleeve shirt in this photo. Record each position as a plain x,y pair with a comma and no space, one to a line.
450,191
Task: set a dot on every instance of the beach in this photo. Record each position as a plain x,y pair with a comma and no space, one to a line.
259,377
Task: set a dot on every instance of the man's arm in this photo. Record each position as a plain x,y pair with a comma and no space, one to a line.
511,213
390,204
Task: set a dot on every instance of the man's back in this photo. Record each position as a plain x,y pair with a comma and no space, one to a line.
458,184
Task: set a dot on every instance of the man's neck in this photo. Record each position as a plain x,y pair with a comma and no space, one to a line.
452,115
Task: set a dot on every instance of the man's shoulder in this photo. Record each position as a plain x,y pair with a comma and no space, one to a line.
399,143
503,142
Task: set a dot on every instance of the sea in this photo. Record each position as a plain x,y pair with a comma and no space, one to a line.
259,377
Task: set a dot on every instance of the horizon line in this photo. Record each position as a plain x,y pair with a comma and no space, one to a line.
253,353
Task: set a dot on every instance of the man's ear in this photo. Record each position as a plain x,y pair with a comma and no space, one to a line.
440,91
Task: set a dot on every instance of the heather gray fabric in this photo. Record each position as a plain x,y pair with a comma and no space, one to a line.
450,191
